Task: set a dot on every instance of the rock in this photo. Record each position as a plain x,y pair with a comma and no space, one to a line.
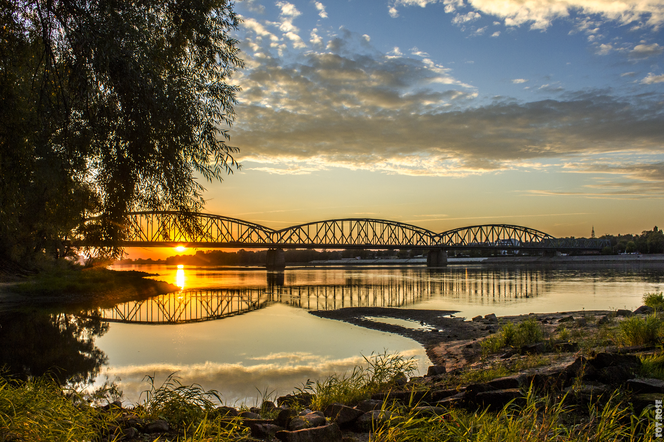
582,321
295,400
309,420
284,417
406,397
477,318
537,348
641,401
452,401
646,385
644,310
158,426
439,395
342,414
263,430
400,379
226,411
566,319
130,433
566,347
491,317
435,370
584,394
250,415
603,320
623,313
497,399
514,381
326,433
376,418
267,406
369,405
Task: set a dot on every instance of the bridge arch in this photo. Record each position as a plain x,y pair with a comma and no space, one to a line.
504,236
170,228
356,233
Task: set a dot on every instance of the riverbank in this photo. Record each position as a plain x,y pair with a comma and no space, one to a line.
76,287
499,260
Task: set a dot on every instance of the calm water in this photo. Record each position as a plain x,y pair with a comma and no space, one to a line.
247,332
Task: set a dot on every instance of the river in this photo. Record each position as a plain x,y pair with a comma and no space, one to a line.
247,333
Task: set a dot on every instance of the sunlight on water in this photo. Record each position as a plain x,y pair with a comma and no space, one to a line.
179,277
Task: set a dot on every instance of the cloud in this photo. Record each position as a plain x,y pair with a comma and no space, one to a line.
321,9
652,78
645,51
351,106
279,374
541,13
465,18
604,49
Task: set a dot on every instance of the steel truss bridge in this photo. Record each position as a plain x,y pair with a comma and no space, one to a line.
170,229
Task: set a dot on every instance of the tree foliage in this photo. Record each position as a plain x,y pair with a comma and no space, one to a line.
108,107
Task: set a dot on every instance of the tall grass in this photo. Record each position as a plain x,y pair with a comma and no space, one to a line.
38,410
538,420
377,375
641,331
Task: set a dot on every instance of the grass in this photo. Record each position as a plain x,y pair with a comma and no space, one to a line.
652,366
641,331
654,300
540,419
378,375
514,336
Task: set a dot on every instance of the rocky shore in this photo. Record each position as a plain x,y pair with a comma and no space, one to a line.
580,373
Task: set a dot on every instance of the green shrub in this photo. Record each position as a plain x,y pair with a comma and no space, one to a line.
510,335
654,300
641,331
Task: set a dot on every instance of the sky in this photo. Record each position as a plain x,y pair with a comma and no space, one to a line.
444,114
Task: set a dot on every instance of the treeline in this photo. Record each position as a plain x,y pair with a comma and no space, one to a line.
258,258
649,241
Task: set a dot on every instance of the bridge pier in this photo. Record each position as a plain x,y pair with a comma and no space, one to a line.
437,258
276,259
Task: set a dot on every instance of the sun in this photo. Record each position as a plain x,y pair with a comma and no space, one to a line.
180,248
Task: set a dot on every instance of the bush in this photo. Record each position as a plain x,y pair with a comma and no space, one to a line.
641,331
510,335
654,300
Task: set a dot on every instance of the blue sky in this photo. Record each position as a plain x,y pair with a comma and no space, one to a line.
547,114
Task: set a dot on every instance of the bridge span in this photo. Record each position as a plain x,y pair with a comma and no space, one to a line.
171,229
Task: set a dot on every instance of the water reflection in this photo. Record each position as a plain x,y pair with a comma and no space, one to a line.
60,345
179,277
359,289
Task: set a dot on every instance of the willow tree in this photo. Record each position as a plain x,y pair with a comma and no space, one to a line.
106,107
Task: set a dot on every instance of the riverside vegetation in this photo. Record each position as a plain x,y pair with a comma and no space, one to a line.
588,378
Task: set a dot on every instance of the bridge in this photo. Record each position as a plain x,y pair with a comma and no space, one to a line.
171,229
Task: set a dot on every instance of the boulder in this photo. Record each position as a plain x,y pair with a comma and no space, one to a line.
623,313
435,370
646,385
309,420
514,381
603,320
226,411
491,317
284,417
295,400
644,310
369,405
566,319
250,415
326,433
342,414
497,399
263,430
158,426
477,318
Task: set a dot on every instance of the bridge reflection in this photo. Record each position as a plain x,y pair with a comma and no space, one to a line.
358,290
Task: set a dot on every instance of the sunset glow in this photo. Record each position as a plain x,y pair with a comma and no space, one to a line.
180,249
